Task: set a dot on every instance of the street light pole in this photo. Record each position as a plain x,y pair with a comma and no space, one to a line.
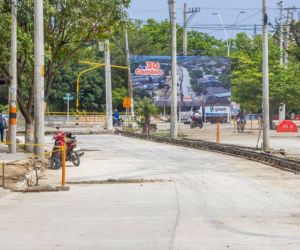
286,42
228,43
13,84
226,35
281,33
265,36
39,72
129,75
238,16
109,114
173,125
188,15
185,33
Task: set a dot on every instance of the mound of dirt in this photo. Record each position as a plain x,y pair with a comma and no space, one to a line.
22,173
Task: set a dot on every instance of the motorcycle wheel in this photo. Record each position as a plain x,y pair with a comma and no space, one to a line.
75,159
55,161
200,125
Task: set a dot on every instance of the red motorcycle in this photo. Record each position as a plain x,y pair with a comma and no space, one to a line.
60,139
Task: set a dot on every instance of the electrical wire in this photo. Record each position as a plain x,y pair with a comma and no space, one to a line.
203,8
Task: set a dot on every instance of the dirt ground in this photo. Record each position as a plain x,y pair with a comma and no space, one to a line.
21,173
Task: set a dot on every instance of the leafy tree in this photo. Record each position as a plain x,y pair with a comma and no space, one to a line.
118,94
145,110
201,44
69,26
247,76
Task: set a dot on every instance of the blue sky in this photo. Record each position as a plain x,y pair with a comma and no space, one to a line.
228,9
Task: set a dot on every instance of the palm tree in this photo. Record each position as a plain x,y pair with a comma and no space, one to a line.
145,110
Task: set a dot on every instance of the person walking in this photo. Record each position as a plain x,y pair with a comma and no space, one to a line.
3,125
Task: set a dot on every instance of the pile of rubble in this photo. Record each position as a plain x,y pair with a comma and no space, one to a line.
24,173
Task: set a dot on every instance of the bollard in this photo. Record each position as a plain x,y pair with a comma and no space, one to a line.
218,133
63,166
63,186
3,177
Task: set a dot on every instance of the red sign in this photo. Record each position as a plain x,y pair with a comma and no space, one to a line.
151,68
287,126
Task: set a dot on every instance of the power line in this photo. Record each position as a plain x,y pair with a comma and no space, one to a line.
203,8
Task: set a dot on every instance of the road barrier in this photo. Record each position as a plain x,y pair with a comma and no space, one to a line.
238,151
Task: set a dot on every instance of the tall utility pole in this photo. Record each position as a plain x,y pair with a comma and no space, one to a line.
287,34
173,125
129,75
186,19
282,105
280,33
109,114
265,45
13,84
39,72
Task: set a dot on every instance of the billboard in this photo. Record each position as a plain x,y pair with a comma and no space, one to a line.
201,81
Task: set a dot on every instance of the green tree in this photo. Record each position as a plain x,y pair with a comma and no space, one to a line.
247,75
118,94
69,26
145,110
295,40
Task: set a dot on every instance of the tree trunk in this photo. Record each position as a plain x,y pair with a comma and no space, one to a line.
29,137
146,128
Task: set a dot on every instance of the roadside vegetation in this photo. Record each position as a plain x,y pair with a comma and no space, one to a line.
71,37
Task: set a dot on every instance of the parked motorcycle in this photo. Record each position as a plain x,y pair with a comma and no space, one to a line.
241,123
60,139
196,122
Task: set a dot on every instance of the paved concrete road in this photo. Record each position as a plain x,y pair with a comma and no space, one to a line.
205,201
229,135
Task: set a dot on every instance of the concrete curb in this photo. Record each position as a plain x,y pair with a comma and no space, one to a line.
43,188
242,152
73,131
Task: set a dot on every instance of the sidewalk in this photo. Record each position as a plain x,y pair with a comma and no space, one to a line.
77,130
5,157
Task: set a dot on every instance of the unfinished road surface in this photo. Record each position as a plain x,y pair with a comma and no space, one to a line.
190,199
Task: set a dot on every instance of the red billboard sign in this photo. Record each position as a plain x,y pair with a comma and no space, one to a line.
151,68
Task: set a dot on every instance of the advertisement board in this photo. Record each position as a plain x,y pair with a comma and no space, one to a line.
201,81
220,112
